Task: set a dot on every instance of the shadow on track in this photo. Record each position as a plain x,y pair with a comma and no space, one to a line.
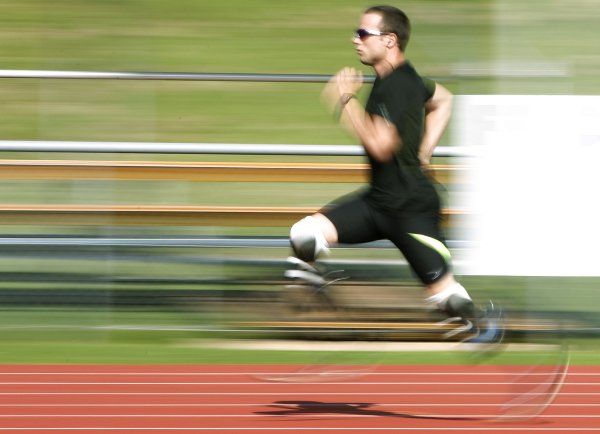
303,408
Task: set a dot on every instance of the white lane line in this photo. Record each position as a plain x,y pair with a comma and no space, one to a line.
367,428
290,415
324,373
324,404
287,393
255,383
300,413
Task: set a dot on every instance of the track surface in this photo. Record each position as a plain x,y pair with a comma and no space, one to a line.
241,399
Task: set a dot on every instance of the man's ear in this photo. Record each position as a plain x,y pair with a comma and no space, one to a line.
391,41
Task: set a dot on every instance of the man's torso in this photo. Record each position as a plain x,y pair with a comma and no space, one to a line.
399,184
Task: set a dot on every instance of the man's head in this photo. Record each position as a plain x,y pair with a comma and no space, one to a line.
381,28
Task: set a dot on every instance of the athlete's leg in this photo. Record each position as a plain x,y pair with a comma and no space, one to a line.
327,228
347,222
420,240
312,236
451,297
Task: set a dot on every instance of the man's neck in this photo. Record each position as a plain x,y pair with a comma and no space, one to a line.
388,64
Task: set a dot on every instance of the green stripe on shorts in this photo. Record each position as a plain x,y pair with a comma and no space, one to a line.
436,245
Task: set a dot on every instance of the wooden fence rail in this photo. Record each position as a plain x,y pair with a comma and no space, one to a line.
118,215
141,215
203,171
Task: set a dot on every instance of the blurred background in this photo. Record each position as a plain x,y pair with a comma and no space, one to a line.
151,285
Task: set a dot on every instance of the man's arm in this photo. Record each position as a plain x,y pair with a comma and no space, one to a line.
437,115
379,137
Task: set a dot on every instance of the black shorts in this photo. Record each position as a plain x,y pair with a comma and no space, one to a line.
416,233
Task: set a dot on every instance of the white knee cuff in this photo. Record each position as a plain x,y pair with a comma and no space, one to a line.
308,240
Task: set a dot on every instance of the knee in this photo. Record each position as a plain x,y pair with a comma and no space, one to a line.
307,239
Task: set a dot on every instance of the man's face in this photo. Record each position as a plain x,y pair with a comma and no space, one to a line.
370,49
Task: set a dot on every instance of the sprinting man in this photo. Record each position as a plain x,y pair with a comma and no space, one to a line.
402,122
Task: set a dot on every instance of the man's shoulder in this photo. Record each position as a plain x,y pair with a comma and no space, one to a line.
404,75
406,78
407,71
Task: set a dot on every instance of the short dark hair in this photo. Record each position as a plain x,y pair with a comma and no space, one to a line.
393,20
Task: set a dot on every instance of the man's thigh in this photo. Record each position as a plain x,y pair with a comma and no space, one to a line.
353,220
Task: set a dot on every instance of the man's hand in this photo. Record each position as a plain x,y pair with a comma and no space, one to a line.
346,81
379,136
428,170
425,162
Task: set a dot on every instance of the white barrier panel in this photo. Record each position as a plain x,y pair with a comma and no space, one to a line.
535,188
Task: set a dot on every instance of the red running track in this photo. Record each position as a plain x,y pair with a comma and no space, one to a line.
284,399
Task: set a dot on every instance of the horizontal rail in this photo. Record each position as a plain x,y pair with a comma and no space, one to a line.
208,148
141,215
203,171
459,72
192,242
176,76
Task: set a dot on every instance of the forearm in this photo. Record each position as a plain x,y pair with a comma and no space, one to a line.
377,139
437,115
435,125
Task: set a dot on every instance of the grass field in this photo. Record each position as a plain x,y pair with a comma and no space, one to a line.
306,36
451,40
147,337
38,334
149,353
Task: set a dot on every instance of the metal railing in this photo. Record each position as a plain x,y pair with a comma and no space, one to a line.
191,148
528,71
173,76
208,148
193,242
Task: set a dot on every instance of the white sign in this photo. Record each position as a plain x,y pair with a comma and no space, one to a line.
534,191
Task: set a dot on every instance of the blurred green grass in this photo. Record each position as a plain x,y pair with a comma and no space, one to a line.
248,36
254,36
146,337
127,353
305,36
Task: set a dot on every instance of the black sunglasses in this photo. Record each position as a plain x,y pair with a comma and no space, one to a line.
363,34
